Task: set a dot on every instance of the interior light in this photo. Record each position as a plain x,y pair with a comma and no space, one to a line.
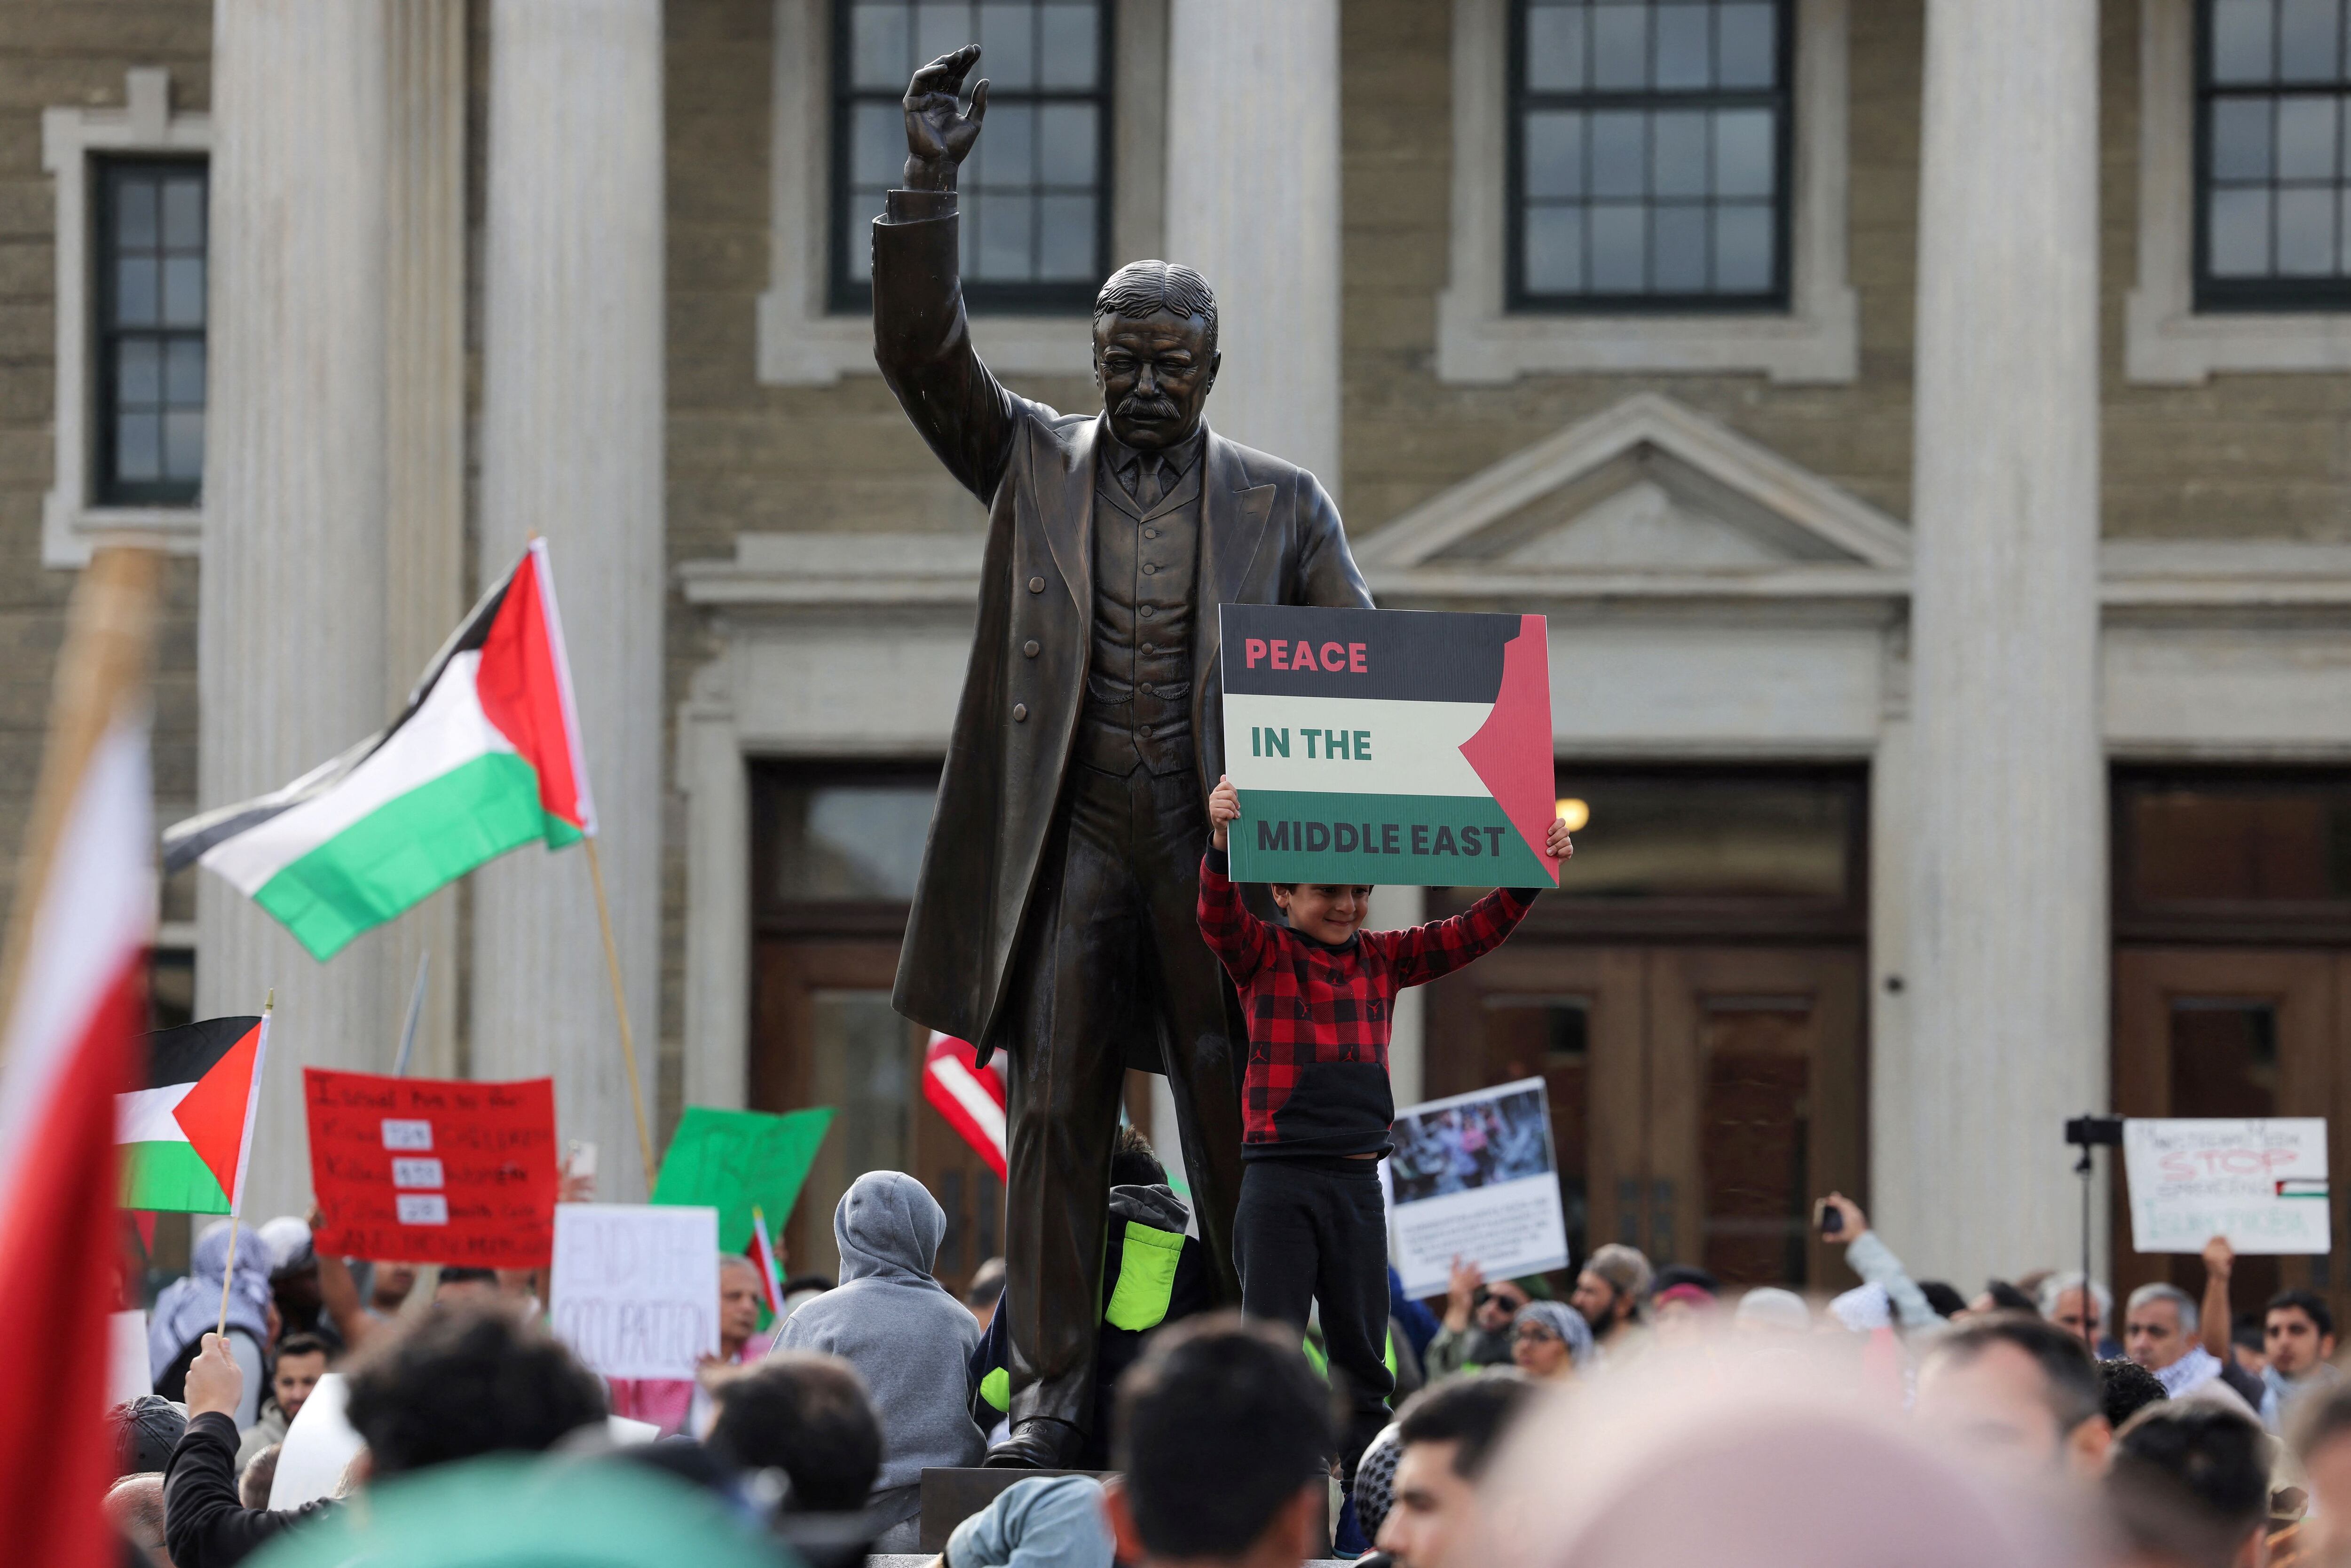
1574,813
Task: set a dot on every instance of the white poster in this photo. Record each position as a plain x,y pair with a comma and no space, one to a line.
636,1287
2261,1183
126,1357
1472,1177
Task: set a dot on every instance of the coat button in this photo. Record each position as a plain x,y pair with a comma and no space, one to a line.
1020,712
1151,533
1145,732
1149,649
1030,647
1148,569
1148,691
1036,585
1148,612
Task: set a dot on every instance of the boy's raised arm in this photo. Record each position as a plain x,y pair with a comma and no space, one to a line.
1238,938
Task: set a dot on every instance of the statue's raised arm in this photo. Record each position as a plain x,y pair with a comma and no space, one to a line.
921,340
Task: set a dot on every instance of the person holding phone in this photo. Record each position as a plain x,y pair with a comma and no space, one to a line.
1841,1219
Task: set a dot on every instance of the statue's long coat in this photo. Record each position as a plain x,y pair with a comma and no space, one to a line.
1269,535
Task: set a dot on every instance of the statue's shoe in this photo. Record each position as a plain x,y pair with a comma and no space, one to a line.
1040,1443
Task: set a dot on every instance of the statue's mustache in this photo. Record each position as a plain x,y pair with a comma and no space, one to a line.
1142,406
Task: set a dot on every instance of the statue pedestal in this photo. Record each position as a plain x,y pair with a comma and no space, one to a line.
952,1496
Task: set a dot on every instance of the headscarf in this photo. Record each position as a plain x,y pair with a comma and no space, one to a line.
1565,1324
190,1305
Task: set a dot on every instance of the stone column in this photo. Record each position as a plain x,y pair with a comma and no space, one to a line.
290,627
424,431
2008,945
572,446
1253,204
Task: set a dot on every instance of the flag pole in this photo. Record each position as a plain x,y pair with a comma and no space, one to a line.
228,1272
621,1007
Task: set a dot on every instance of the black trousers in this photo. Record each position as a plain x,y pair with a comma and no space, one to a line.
1113,957
1314,1231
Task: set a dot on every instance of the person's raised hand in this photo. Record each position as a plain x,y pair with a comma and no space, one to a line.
2219,1258
1224,808
939,134
1854,1221
1461,1294
215,1382
1556,843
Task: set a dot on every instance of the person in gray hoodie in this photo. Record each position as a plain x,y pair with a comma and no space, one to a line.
908,1338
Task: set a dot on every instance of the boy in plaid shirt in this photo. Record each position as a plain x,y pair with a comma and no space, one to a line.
1315,1103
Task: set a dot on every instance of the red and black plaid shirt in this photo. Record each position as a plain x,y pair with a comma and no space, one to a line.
1319,1016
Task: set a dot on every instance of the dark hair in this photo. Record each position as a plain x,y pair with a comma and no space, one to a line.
1133,1161
2248,1332
800,1282
2188,1481
2068,1374
1943,1297
2311,1306
469,1276
1219,1425
2007,1298
1146,287
297,1345
1674,1274
1474,1412
468,1381
807,1414
2125,1388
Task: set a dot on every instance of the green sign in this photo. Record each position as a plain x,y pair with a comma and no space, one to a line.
730,1160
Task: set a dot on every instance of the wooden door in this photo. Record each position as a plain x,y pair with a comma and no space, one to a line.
2230,1031
827,1035
1700,1097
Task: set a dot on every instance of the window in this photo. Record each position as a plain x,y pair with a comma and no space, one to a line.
1650,155
1034,194
150,290
2273,231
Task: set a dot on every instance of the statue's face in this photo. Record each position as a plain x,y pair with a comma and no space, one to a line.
1155,372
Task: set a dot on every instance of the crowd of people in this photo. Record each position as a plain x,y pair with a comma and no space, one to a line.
1635,1414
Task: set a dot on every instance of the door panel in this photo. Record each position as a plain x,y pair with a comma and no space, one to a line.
2214,1031
1700,1097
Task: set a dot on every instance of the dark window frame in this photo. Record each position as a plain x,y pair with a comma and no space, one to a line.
104,173
1517,300
2254,296
2267,922
846,918
846,296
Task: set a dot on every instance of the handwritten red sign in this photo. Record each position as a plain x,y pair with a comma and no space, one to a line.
426,1170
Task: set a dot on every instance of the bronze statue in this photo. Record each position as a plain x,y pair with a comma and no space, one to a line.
1056,916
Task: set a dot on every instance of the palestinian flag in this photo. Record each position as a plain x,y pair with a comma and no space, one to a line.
1388,746
486,759
185,1136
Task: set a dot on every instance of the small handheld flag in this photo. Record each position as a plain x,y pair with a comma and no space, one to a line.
186,1136
764,1258
971,1098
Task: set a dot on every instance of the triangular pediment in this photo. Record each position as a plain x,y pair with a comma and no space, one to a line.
1649,488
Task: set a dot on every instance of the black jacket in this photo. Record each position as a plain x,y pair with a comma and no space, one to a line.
204,1524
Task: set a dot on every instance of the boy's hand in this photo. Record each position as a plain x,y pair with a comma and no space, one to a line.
1556,843
1224,806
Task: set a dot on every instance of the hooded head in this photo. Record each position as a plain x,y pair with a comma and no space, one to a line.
888,1227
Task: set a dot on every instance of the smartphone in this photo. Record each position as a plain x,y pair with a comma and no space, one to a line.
1827,1219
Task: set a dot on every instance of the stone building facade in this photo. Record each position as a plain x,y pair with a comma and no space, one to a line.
1949,619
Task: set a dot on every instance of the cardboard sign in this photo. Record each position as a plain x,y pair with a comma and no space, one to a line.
1472,1177
2261,1183
1388,746
636,1287
422,1170
127,1376
732,1160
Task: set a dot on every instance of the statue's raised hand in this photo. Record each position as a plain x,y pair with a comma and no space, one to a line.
938,133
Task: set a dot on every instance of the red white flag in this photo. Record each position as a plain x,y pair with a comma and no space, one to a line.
970,1098
763,1258
72,1000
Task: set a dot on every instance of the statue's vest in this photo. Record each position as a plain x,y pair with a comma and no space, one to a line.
1139,682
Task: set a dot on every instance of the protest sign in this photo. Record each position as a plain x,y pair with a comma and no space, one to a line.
423,1170
2260,1181
636,1287
1472,1177
736,1160
1388,746
127,1376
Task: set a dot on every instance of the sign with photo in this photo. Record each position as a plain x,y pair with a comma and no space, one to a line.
1402,746
1473,1177
2261,1182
